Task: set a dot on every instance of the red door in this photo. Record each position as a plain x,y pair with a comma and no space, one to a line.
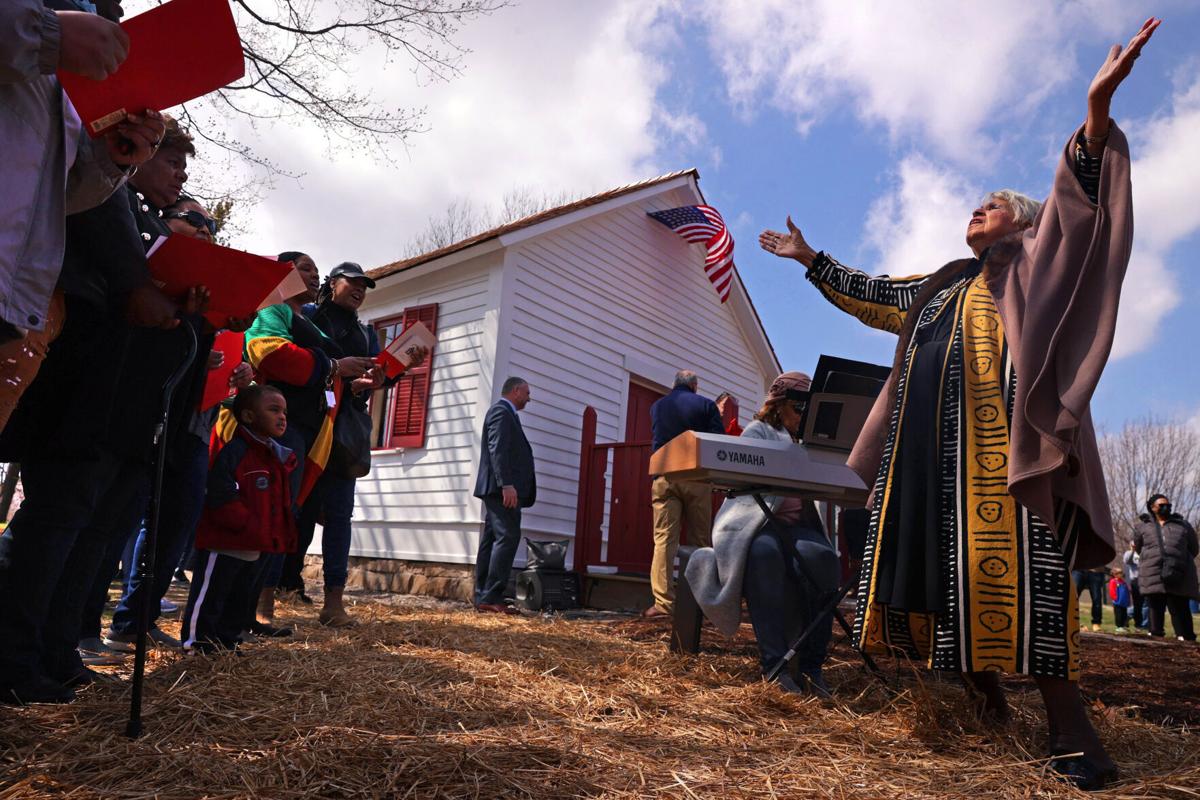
630,538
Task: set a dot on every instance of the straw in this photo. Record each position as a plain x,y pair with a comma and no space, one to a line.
434,700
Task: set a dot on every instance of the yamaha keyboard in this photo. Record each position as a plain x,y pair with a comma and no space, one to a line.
741,465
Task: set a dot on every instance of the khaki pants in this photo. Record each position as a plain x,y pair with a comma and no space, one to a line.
672,501
20,359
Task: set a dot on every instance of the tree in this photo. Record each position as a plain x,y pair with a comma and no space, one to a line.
1150,455
463,219
297,53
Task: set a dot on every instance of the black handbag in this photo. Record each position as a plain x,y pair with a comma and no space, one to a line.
350,455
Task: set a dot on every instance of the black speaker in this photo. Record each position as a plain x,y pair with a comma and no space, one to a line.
541,589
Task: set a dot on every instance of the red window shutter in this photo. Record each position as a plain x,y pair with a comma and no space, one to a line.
410,394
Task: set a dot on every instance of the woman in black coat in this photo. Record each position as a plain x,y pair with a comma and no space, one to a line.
1168,548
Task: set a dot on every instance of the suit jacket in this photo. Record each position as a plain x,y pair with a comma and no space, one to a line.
683,410
505,457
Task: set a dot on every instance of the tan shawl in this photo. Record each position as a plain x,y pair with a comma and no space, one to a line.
1057,286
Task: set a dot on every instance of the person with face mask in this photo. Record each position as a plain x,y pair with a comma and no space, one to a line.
1167,545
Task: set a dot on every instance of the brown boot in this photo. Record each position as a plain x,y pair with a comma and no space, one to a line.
265,612
334,612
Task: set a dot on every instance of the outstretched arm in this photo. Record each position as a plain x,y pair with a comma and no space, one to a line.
1115,69
880,302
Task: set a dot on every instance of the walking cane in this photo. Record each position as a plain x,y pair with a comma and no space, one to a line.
149,557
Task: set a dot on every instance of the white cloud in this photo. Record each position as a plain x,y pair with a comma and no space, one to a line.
554,96
914,227
948,74
1165,214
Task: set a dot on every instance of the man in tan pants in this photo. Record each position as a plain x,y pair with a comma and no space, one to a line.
673,501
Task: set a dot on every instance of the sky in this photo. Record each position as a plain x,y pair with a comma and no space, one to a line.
877,125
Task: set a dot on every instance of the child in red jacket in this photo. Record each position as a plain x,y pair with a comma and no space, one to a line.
247,512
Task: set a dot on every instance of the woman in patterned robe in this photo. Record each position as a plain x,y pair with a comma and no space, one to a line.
958,571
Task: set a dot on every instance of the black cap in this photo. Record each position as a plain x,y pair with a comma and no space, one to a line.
348,269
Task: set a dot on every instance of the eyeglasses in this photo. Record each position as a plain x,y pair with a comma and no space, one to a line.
196,220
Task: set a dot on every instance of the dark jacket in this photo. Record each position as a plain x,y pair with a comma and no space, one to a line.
354,338
505,457
1179,538
152,356
81,386
249,502
683,410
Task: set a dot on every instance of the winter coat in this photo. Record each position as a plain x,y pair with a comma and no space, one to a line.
1179,538
249,500
51,167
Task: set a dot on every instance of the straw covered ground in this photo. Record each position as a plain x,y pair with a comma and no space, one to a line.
428,699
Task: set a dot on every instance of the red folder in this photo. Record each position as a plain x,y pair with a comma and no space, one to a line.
177,52
238,282
216,385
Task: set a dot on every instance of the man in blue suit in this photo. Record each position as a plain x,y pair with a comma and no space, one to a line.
506,483
673,501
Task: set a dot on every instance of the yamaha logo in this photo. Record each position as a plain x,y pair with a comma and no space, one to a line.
753,459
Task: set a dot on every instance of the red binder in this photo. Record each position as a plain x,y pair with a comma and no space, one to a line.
238,282
216,385
177,52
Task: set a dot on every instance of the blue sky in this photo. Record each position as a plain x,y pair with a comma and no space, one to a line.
876,125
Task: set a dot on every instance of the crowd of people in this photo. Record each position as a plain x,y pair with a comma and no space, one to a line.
89,340
987,493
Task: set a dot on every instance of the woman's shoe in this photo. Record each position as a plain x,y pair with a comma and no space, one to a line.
1083,772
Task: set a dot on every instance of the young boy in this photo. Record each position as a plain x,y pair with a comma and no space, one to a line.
1118,592
248,511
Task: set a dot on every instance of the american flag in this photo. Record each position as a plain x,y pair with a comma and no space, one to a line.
704,224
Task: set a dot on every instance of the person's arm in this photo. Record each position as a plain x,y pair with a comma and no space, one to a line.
1193,545
880,302
223,502
715,425
273,355
30,38
1115,69
499,444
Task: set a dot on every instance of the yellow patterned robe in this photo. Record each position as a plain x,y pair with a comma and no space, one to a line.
1007,600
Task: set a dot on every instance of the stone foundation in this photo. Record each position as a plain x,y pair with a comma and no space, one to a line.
446,581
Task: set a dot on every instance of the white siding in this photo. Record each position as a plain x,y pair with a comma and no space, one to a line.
588,299
417,503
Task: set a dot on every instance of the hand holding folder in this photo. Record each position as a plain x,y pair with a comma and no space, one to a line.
216,384
238,283
401,351
177,52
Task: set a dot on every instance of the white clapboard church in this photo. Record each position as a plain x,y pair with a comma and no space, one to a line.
596,305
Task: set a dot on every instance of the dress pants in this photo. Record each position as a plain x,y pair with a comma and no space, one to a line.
71,511
673,502
1181,615
1094,582
220,593
782,601
497,549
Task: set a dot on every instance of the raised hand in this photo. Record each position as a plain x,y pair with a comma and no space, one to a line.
1119,63
1115,69
788,245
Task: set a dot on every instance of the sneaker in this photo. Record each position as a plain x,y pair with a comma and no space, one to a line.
165,606
247,637
38,689
127,642
1121,631
294,596
1096,628
180,577
94,653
